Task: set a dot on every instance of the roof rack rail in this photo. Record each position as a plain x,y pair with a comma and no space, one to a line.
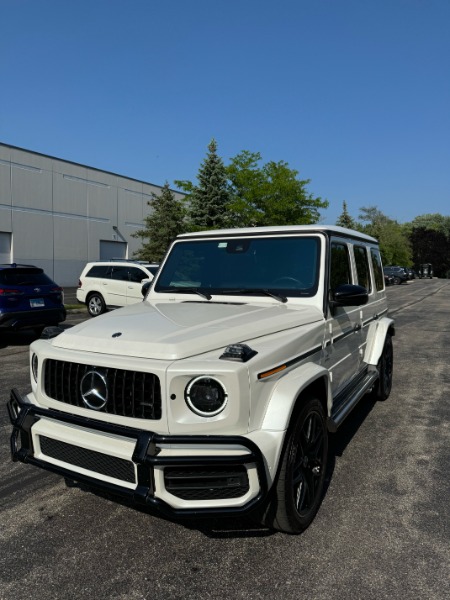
130,260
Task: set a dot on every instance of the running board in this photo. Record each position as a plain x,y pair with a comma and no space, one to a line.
344,408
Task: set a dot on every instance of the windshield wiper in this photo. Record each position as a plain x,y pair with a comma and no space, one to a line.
186,290
266,292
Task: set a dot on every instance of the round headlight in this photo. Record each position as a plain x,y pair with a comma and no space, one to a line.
34,366
206,396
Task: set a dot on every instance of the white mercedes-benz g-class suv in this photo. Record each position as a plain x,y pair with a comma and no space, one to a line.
216,394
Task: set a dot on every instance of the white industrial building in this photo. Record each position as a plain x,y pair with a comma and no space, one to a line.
59,215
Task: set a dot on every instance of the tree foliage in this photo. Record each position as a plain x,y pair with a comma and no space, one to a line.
432,222
208,201
395,246
344,219
161,226
431,246
269,194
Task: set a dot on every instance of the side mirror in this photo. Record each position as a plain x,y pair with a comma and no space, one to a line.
145,287
348,294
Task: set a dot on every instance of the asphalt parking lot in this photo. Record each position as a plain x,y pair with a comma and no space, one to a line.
383,530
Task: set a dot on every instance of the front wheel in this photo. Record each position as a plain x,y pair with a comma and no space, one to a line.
96,305
298,488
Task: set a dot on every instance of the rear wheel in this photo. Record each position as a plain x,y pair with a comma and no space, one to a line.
96,305
298,489
385,368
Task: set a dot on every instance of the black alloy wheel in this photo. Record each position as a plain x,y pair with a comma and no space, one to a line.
385,369
298,489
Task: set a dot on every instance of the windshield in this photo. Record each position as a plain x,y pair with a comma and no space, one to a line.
276,266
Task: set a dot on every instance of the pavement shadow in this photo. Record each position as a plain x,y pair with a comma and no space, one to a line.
22,337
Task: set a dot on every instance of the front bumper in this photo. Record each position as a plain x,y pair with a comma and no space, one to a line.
177,475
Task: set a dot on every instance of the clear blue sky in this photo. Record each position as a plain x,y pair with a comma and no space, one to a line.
354,94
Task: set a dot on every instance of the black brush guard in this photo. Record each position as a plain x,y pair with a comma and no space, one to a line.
24,415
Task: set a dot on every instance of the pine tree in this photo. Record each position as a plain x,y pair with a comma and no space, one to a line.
345,220
209,200
161,226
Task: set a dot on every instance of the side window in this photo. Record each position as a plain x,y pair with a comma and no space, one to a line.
98,271
377,269
339,265
120,273
137,275
362,267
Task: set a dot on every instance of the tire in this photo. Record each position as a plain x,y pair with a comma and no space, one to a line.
96,305
397,281
297,492
385,368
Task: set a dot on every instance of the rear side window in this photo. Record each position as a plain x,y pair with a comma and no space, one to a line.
99,271
137,275
362,267
377,269
120,273
28,276
340,265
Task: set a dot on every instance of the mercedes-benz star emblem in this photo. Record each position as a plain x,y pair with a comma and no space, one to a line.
94,390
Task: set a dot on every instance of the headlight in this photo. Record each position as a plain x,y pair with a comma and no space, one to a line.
34,366
206,396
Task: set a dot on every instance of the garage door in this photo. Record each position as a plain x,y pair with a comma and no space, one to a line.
110,250
5,247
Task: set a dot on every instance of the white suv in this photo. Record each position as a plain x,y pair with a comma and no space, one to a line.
109,284
216,395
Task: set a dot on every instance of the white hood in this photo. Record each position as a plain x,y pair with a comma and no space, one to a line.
171,331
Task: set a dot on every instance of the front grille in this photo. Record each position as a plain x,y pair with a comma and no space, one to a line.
128,393
206,484
88,459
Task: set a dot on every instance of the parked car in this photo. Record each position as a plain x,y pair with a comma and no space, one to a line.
409,272
426,270
29,298
108,284
216,395
398,274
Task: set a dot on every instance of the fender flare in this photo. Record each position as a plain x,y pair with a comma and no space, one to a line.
375,339
286,392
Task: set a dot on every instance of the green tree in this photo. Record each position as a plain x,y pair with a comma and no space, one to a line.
433,222
344,219
395,246
161,226
208,201
431,246
270,194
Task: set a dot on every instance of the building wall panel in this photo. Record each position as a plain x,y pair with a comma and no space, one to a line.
5,195
61,214
31,181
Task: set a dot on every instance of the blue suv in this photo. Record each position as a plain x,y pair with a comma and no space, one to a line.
29,299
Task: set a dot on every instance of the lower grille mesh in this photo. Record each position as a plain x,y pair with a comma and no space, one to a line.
207,484
88,459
